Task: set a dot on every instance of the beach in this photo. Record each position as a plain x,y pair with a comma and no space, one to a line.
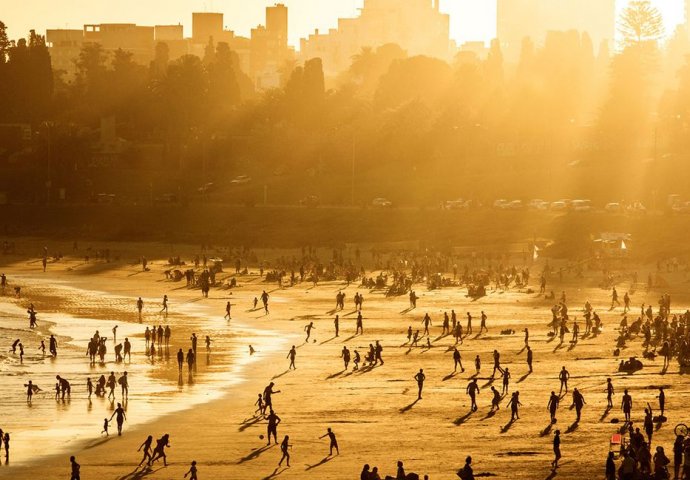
373,412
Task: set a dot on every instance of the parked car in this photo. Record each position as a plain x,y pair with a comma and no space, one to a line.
381,203
240,180
581,205
515,205
538,204
454,204
558,206
501,204
613,207
205,188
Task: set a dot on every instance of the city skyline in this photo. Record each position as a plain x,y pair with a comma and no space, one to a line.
470,20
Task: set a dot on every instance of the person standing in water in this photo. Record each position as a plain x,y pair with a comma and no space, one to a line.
165,304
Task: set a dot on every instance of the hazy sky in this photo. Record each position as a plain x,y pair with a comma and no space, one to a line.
470,19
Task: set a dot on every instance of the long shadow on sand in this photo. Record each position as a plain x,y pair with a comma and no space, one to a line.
460,420
254,454
139,474
325,460
546,431
407,408
249,422
275,473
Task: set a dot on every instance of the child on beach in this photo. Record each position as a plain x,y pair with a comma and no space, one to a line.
192,472
261,408
106,423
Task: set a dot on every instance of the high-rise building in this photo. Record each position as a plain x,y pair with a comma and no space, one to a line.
517,19
269,47
64,46
132,38
417,26
206,26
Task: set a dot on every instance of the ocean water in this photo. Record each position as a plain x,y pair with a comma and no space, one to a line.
155,388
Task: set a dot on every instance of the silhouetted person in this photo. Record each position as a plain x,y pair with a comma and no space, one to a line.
609,394
120,415
192,471
420,377
334,442
284,446
159,451
146,446
552,406
272,427
514,405
563,376
556,448
457,360
529,358
662,400
472,390
578,402
75,467
626,404
292,354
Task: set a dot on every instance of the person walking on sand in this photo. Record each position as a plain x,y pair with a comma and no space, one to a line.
506,381
272,427
497,364
75,467
334,442
426,321
482,325
292,354
552,406
609,394
121,417
457,360
514,405
626,404
556,448
284,446
345,355
469,324
472,390
192,471
578,403
420,377
164,305
308,328
563,376
360,326
529,358
495,399
147,449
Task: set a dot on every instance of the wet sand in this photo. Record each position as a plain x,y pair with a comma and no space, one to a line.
373,412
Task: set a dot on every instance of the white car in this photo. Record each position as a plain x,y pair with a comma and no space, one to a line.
582,205
558,206
241,179
538,204
613,207
516,205
501,204
381,203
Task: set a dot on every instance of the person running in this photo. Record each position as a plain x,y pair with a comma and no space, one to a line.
420,377
159,451
147,449
308,328
552,406
192,471
626,404
563,376
106,424
284,446
457,360
272,427
472,390
292,354
120,415
260,407
556,448
334,442
75,467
